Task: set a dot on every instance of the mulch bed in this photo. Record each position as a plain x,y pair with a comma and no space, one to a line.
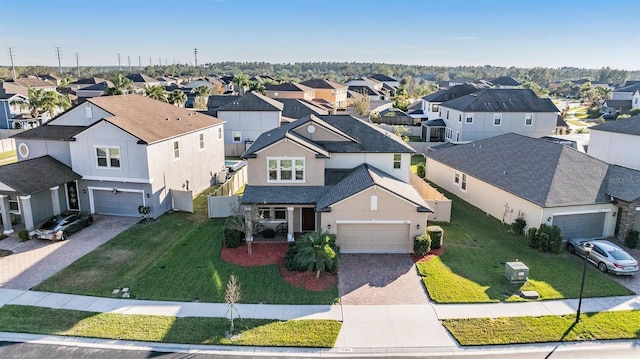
274,253
432,253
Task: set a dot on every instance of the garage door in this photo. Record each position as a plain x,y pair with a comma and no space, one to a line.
373,238
586,225
120,203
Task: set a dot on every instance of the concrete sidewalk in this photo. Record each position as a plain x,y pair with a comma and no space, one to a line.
371,327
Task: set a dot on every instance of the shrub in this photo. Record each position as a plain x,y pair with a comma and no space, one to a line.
24,235
635,111
421,244
436,233
545,239
519,224
14,218
233,237
290,259
317,251
420,170
631,240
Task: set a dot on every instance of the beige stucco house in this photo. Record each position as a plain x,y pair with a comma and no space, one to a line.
290,90
340,174
334,93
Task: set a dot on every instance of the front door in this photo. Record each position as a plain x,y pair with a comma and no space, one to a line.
308,219
72,196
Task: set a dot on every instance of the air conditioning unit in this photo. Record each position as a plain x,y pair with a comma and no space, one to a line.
516,272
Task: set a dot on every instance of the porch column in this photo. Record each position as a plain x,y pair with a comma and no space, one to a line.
27,216
55,199
6,216
290,237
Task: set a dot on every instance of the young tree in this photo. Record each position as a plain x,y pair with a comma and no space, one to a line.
245,220
362,104
317,251
232,297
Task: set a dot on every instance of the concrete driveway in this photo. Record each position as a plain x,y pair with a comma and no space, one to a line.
35,260
380,279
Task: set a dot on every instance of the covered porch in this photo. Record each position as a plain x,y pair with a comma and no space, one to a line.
434,130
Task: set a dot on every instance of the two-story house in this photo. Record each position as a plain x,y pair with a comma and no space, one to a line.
110,155
333,93
622,100
491,112
290,90
616,142
339,174
247,117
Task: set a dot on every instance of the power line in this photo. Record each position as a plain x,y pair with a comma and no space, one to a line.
13,68
59,56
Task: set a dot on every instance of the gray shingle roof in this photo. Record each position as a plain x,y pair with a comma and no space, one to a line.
629,126
366,138
505,81
282,194
382,77
297,108
502,100
252,102
623,183
288,86
322,84
140,78
51,132
453,93
21,178
625,104
545,173
631,88
437,122
216,101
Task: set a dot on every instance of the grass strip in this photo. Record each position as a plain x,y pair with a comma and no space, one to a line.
521,330
164,329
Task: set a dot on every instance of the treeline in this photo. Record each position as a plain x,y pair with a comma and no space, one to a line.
340,71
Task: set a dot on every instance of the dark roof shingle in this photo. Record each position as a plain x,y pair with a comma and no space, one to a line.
628,126
502,100
21,178
252,101
51,132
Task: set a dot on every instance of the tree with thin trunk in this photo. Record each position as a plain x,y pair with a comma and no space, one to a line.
246,220
232,297
121,86
317,251
155,92
202,93
242,81
177,98
362,103
46,101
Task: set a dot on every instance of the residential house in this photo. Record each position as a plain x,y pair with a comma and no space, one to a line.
373,88
617,142
505,82
491,112
290,90
141,80
85,82
110,155
340,174
390,81
11,112
333,93
431,103
295,109
247,117
214,102
21,85
547,183
56,80
622,100
96,90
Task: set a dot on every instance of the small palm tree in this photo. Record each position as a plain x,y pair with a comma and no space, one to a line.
178,98
202,92
318,251
47,101
241,81
155,92
121,86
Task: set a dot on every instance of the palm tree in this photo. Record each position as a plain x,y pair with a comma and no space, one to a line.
257,86
156,92
178,98
202,92
241,80
121,86
47,101
318,251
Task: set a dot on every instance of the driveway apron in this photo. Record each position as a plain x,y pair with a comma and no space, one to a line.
35,260
380,279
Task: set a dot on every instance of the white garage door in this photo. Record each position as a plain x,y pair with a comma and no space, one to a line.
120,203
585,225
374,238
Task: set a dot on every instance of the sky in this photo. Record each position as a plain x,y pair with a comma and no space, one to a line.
521,33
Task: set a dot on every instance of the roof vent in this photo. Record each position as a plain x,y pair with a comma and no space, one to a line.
504,172
168,118
178,118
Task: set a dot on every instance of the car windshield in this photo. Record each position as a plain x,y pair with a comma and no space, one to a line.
51,223
620,255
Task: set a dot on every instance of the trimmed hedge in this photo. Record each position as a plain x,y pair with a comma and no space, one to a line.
545,239
436,233
233,238
421,244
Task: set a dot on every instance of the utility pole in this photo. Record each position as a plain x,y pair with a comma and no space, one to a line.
139,62
159,61
119,63
59,56
195,54
150,62
129,61
78,64
13,68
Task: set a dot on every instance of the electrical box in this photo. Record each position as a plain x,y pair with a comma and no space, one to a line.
516,272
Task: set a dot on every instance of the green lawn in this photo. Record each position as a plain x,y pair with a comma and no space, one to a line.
415,139
592,326
472,266
176,257
165,329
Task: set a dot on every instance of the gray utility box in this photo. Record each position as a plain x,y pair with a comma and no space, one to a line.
516,272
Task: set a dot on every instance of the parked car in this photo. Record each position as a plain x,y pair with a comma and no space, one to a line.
605,255
60,226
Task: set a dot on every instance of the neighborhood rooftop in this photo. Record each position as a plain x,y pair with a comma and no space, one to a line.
252,101
502,100
629,126
19,176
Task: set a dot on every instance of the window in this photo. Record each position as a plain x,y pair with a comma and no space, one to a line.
463,186
219,133
459,117
87,112
456,177
264,212
528,119
448,133
468,118
108,157
14,207
635,101
201,140
285,169
457,136
374,203
237,136
176,150
435,108
397,161
497,119
280,213
447,114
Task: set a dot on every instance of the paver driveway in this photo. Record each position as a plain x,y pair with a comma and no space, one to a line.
35,260
370,279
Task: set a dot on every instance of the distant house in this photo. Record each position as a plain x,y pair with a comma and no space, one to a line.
505,82
431,103
629,93
142,80
247,117
616,142
214,102
295,109
386,79
85,82
290,90
512,174
371,87
334,93
11,112
96,90
110,155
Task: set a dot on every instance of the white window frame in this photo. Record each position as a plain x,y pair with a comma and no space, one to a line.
464,182
397,160
374,203
497,116
108,157
435,108
220,136
467,117
293,170
233,136
201,140
279,213
176,149
528,116
448,133
456,178
16,200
